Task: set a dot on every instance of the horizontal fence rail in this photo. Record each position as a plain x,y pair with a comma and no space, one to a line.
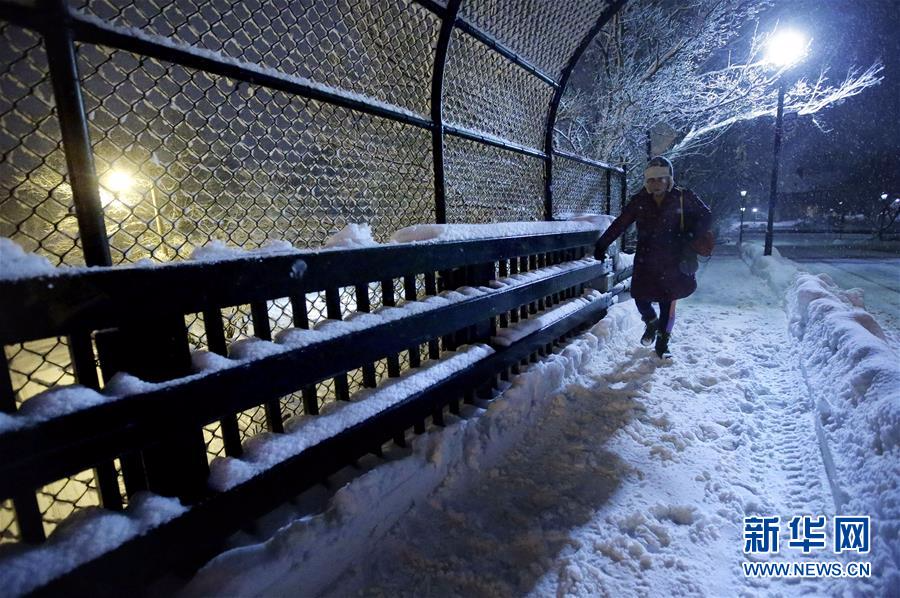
147,437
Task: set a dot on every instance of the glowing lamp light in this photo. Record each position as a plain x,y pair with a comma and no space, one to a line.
743,194
754,210
743,209
118,181
786,47
883,196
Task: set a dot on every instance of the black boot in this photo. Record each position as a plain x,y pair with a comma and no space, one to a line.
650,332
662,345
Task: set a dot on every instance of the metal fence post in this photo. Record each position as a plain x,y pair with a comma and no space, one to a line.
63,64
437,117
611,9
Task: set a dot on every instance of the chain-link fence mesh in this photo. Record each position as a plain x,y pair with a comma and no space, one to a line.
185,157
489,184
544,33
478,81
580,188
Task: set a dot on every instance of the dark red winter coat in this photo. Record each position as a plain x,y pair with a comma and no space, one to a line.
657,276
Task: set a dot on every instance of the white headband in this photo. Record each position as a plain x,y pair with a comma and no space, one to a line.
656,172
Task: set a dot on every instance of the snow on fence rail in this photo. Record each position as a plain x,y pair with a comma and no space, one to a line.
142,429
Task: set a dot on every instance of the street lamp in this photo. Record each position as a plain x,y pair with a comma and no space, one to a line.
743,209
120,181
785,48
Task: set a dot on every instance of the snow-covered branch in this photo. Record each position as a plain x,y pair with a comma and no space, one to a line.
696,67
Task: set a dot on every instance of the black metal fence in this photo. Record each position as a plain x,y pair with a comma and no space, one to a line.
141,130
133,320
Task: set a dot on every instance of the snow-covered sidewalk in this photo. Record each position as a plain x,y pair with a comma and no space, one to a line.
633,478
638,479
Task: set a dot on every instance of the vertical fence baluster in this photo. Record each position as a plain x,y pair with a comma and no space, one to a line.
28,515
514,269
81,352
388,300
447,282
409,293
434,350
301,320
363,305
333,312
503,272
259,312
215,340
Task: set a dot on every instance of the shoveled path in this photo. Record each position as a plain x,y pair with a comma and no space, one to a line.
638,479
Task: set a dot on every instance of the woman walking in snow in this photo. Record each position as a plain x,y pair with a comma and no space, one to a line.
668,219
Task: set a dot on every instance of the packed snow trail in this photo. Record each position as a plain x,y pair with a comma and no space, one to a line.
637,480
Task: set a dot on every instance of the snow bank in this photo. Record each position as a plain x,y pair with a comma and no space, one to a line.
854,377
623,260
777,271
83,537
17,263
311,552
434,233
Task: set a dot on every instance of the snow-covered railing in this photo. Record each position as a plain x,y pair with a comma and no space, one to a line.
471,311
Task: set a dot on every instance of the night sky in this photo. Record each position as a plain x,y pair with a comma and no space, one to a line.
860,156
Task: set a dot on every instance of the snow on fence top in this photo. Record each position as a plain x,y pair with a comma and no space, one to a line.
434,233
16,263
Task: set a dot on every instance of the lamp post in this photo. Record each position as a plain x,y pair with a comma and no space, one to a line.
841,229
785,49
743,209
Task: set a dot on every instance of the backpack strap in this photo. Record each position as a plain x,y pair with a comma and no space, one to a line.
681,200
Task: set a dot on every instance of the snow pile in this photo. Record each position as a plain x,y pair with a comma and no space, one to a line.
17,263
434,233
777,271
83,537
264,451
854,377
310,553
352,236
52,403
623,260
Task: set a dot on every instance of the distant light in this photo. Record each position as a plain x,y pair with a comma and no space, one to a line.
884,196
840,203
743,194
743,209
786,47
754,210
118,180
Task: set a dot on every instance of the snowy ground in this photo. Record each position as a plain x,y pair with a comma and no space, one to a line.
631,478
637,479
